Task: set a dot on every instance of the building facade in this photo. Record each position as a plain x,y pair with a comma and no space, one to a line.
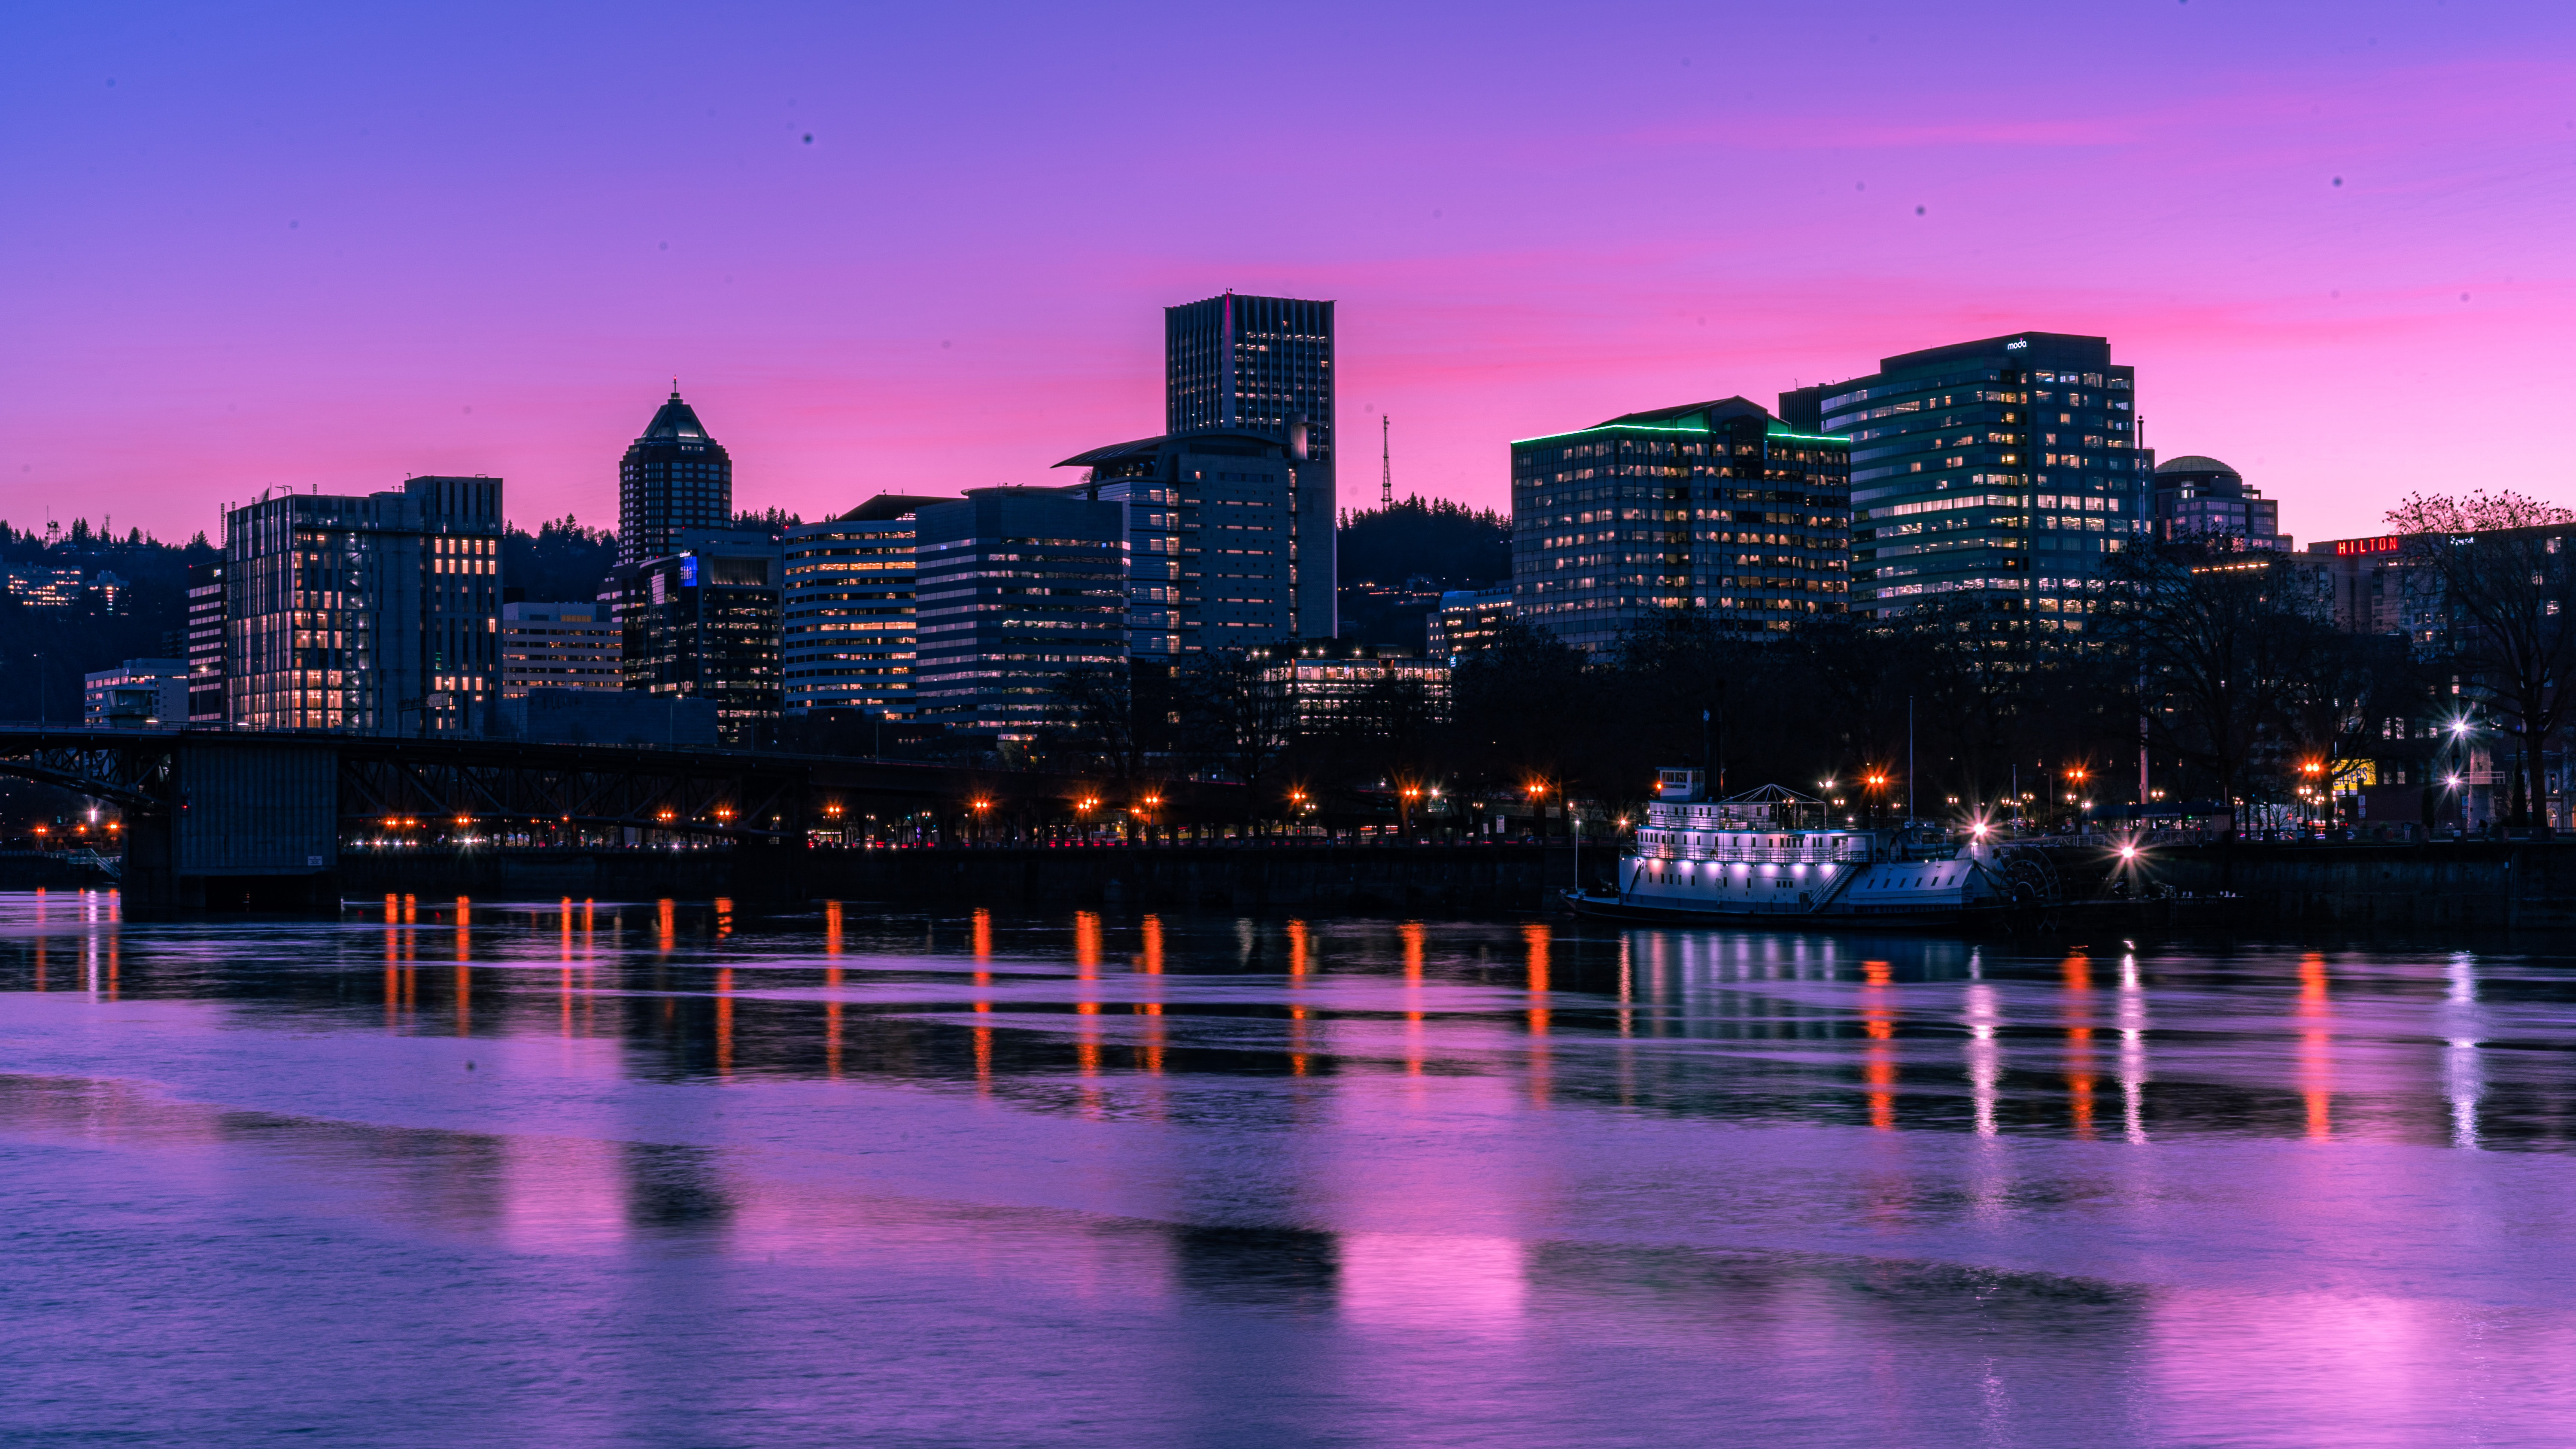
1467,621
673,478
849,608
138,694
560,646
206,644
1325,687
1015,588
2203,498
707,622
1713,506
2003,470
1264,366
1209,522
374,615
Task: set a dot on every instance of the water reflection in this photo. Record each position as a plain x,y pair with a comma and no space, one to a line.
1253,1180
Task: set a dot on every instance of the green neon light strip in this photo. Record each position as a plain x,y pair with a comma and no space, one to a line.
1611,428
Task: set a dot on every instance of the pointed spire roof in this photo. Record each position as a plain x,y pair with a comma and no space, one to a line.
675,420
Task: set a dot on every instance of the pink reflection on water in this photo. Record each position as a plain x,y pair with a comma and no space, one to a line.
1433,1284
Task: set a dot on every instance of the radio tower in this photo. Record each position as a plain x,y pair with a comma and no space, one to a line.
1385,466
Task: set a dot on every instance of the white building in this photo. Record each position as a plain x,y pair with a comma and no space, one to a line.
138,694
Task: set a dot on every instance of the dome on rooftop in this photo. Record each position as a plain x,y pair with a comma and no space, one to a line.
2195,463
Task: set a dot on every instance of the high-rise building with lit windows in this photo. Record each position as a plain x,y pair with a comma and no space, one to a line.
673,478
371,615
2002,471
1210,547
1715,506
1264,365
849,639
1015,589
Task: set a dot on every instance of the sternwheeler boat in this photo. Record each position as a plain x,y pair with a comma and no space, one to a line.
1774,857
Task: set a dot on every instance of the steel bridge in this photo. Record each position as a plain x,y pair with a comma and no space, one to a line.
207,806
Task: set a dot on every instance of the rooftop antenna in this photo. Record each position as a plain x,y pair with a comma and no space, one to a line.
1385,465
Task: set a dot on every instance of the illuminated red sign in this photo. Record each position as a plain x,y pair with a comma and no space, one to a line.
2346,547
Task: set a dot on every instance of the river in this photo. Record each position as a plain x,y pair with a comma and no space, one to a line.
570,1173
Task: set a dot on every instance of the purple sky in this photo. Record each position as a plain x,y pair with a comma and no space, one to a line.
334,245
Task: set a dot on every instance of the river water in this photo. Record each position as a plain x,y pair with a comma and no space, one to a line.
553,1173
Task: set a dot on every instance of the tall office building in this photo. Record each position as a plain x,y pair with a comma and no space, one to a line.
1715,506
205,650
849,639
2002,471
1015,588
1264,365
2198,497
674,477
373,615
705,621
1208,522
560,646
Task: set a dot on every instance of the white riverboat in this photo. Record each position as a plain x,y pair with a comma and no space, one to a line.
1774,855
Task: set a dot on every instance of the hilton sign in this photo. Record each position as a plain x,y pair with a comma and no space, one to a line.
2347,547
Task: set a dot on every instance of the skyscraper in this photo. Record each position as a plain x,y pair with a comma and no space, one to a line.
373,615
2001,470
674,477
1264,365
1713,506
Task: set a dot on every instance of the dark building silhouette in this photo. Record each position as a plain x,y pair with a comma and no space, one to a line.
1264,365
674,477
704,621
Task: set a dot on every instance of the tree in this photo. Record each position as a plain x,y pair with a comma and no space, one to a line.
2510,597
2218,651
1231,718
1529,706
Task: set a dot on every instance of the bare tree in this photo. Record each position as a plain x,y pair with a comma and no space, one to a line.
2219,650
2500,562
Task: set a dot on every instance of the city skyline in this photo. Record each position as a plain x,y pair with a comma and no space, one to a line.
2282,221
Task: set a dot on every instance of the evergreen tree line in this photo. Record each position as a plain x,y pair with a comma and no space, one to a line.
1451,544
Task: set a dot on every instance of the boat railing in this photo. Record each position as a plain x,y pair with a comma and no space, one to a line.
1763,854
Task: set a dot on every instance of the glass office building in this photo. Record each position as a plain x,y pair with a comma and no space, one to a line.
2202,498
1715,506
704,622
372,615
1264,365
1015,588
849,639
1211,551
2001,471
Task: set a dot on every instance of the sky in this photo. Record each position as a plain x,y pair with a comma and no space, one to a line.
923,248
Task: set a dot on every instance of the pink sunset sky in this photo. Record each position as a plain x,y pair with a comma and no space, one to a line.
330,246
